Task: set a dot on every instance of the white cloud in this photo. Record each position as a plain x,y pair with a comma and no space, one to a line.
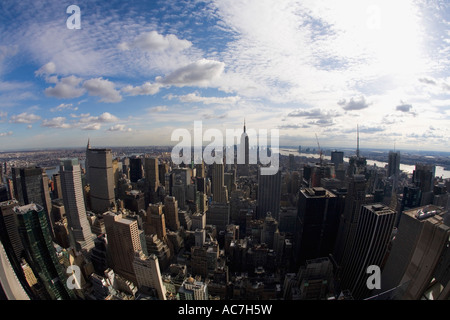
57,122
5,134
47,69
24,118
92,126
66,88
153,41
199,73
102,88
120,127
354,104
94,122
194,97
146,89
158,109
64,106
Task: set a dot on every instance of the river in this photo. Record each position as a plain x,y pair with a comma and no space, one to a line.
440,171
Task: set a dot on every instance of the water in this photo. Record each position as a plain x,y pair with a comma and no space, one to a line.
440,171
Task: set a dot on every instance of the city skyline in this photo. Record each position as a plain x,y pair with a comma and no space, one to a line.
135,72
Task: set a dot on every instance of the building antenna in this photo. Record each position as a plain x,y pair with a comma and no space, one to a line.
357,140
244,124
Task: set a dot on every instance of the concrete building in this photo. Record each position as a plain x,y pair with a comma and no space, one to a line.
148,274
124,239
79,228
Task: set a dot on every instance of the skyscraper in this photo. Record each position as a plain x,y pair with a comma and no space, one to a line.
357,163
269,195
393,164
101,179
171,213
337,157
151,172
9,228
79,228
423,178
418,264
57,192
40,252
13,250
156,223
31,186
244,147
136,171
123,241
219,190
148,274
354,199
369,247
318,222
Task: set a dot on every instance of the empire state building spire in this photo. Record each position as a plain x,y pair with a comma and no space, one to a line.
244,124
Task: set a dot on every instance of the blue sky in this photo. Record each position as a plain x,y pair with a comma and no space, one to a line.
138,70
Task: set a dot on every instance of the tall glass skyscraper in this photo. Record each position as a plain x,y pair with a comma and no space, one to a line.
40,252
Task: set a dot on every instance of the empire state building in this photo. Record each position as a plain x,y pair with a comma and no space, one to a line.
243,159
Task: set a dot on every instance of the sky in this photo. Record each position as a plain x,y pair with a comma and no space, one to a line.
135,71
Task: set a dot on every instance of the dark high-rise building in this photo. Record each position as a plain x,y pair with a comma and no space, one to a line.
101,179
3,193
423,178
218,214
134,200
317,222
40,252
337,157
219,190
99,256
31,186
9,228
355,198
151,172
269,194
418,263
393,164
79,228
136,171
369,247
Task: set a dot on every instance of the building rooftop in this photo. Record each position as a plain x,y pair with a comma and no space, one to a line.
431,213
26,208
